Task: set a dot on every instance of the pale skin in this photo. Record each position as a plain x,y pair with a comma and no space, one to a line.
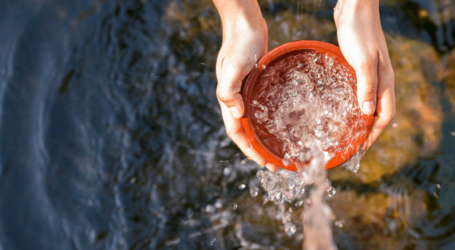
361,41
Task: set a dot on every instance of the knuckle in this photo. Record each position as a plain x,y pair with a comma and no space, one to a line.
394,112
367,66
222,95
369,91
231,134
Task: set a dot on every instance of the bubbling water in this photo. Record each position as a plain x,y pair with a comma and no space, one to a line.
308,97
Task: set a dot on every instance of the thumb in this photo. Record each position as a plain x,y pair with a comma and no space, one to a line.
228,90
367,82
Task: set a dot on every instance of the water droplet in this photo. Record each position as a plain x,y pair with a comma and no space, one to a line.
235,206
339,223
438,185
298,203
226,171
209,209
290,229
242,186
279,198
286,218
331,191
286,159
212,241
218,204
254,191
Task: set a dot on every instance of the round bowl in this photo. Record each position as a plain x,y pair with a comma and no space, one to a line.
267,151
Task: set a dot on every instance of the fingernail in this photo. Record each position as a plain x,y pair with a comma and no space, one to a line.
234,112
368,107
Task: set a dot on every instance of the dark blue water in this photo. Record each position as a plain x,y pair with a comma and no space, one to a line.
111,136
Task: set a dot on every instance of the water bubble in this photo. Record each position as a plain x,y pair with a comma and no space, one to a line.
290,229
218,204
226,171
331,191
286,218
242,186
339,223
254,191
209,209
286,159
279,198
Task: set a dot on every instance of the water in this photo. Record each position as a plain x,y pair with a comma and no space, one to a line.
307,97
96,93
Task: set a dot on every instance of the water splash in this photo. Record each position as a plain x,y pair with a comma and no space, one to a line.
308,97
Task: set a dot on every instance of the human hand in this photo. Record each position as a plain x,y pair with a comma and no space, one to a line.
362,43
244,43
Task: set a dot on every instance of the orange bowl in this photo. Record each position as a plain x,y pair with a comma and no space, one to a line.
267,151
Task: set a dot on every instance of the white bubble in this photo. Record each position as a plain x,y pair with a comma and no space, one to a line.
226,171
331,191
290,229
254,191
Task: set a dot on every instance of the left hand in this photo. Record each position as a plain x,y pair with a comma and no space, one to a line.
363,44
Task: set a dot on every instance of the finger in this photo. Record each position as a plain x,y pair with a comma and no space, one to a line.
234,130
230,84
367,82
271,167
385,108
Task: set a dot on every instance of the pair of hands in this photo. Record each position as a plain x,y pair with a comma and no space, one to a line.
361,41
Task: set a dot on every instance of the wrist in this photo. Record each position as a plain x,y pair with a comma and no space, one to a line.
240,15
346,10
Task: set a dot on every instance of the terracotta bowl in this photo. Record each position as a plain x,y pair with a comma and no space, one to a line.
268,150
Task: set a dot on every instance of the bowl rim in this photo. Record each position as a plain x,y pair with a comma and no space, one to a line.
323,48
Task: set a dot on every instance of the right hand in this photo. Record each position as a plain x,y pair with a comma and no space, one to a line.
244,43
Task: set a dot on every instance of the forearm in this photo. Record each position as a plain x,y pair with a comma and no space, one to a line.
238,14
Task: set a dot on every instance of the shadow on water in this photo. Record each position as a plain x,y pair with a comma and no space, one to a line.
112,138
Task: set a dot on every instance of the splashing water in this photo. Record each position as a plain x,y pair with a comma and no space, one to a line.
284,185
315,114
304,98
